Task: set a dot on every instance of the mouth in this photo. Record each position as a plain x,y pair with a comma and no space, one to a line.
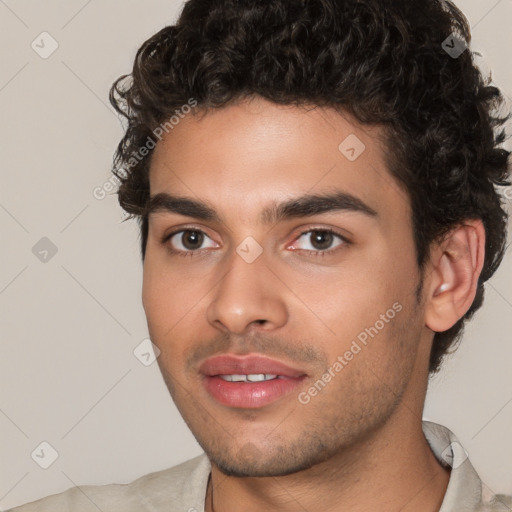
248,382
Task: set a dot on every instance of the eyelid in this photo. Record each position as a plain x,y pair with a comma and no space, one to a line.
321,229
303,231
168,234
308,228
166,237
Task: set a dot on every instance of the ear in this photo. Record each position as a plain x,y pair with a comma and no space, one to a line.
455,266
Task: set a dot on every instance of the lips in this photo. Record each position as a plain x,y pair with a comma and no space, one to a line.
248,382
247,365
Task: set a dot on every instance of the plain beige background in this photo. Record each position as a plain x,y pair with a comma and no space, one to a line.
69,325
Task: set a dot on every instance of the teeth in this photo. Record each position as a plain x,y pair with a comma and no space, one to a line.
260,377
253,377
238,378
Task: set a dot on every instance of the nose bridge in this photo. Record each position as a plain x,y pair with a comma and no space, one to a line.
247,293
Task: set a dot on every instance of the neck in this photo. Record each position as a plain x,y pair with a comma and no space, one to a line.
391,470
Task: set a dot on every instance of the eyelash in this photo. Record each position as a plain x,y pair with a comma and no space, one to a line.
327,252
189,254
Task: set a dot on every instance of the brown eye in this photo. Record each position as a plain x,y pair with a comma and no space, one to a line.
192,239
188,240
319,241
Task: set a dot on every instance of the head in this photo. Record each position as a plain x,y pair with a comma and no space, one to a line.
247,122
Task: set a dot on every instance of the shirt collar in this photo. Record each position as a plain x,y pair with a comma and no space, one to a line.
464,491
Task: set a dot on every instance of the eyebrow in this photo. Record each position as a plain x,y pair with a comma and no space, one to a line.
302,206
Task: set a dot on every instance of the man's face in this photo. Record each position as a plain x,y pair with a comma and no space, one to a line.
320,302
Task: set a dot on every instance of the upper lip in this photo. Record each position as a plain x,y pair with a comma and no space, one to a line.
230,364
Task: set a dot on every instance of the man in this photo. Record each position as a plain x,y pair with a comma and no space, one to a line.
317,188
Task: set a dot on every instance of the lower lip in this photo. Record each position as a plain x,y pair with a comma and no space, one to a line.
250,395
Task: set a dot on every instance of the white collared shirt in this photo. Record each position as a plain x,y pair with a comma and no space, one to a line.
183,488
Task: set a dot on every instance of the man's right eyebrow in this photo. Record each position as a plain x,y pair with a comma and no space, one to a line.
164,202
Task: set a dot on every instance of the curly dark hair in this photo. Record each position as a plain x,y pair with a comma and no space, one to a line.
385,62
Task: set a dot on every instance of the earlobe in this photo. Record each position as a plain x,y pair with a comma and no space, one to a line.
456,264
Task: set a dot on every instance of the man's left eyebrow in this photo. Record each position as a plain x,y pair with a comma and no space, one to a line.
308,205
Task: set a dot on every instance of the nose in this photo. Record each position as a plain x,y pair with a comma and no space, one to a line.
248,295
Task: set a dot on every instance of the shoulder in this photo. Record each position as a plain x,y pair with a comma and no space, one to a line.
182,486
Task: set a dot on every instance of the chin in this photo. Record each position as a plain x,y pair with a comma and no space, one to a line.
251,461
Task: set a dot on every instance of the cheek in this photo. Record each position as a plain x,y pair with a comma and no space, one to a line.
164,301
163,321
154,296
346,298
367,302
174,303
167,294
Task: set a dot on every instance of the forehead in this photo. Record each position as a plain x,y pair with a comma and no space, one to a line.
255,153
